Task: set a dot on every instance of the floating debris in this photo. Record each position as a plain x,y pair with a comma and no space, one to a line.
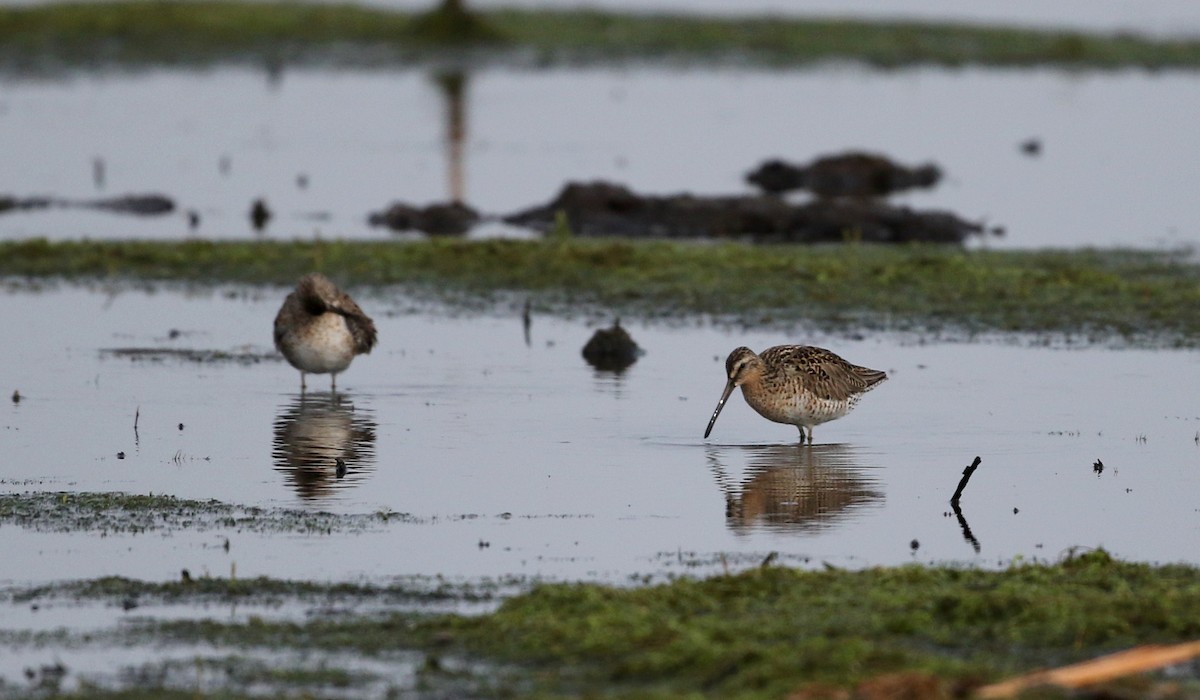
1031,147
1098,467
16,396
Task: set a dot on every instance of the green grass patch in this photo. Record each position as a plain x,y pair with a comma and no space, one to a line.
762,633
189,31
1099,296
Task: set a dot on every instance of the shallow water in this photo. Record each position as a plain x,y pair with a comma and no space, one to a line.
1117,164
517,458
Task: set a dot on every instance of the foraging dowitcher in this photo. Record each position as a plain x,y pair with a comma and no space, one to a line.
319,328
796,384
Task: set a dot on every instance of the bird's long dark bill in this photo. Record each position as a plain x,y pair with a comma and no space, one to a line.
720,405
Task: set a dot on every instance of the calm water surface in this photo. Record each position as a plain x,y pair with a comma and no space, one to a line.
518,458
1118,163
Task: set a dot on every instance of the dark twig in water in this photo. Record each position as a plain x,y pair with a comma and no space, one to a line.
1098,467
966,529
527,322
958,514
137,413
962,483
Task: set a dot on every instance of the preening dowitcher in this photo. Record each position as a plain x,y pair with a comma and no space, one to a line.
319,328
800,385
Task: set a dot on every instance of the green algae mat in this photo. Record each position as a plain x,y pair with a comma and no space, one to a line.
1095,296
765,632
187,31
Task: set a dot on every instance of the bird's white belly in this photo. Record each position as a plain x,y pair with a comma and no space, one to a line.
803,409
321,347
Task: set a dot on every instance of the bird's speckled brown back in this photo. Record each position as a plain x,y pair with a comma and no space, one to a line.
821,372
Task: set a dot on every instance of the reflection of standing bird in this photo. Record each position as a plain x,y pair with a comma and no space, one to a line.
800,385
804,488
323,443
320,329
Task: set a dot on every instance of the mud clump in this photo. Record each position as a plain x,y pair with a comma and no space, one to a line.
851,174
611,349
135,204
440,219
607,209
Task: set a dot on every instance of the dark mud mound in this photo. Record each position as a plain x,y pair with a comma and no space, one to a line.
611,349
851,174
136,204
442,219
607,209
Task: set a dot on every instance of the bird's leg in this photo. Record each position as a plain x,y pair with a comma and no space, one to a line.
302,385
333,383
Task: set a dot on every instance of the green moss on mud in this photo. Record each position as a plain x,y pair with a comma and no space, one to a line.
107,513
762,633
188,31
765,632
1142,297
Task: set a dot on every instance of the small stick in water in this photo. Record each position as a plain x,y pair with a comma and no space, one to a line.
962,484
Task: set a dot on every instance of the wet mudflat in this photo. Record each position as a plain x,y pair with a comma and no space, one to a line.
475,452
324,149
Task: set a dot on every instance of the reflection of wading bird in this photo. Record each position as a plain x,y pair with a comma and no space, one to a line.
805,488
320,329
321,439
796,384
